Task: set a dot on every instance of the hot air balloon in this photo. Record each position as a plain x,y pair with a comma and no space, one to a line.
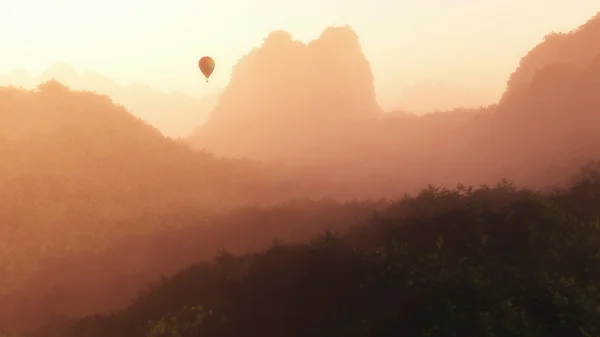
206,65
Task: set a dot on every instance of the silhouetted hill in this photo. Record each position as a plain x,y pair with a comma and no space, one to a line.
315,105
78,172
577,48
554,119
495,261
285,92
174,114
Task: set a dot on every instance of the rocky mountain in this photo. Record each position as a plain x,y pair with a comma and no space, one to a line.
286,96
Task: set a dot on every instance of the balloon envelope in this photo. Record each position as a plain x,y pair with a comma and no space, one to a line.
206,65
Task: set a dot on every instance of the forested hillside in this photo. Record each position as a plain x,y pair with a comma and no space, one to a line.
495,261
81,172
83,283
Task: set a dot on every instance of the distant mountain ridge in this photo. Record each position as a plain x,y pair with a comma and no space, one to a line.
174,114
272,110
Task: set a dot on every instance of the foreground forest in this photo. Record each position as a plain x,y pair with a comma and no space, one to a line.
489,261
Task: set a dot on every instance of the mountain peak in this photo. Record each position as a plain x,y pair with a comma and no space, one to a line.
288,85
278,37
345,35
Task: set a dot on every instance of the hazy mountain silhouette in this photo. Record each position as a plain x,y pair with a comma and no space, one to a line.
555,119
551,109
174,114
272,111
285,92
315,104
577,48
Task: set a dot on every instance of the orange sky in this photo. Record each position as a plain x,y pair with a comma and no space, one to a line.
466,43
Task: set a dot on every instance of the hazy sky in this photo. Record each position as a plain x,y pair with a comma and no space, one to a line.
473,43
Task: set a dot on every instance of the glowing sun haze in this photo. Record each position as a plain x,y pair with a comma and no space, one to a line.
468,43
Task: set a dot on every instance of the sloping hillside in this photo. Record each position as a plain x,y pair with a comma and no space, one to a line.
465,262
85,283
577,48
76,172
552,121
